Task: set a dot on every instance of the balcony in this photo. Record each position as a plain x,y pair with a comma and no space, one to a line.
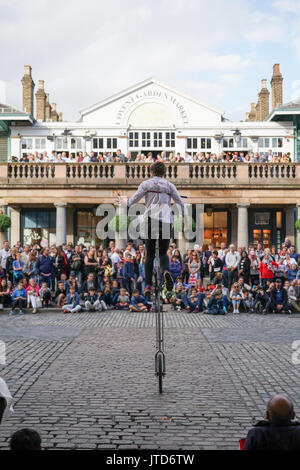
184,175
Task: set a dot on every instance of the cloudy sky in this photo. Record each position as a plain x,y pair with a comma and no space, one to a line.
214,50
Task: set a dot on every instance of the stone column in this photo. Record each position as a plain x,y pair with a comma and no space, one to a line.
28,88
61,223
200,224
242,235
290,223
234,226
15,228
121,237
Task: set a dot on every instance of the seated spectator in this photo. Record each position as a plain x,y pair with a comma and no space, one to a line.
6,400
89,283
25,439
248,301
94,301
168,296
278,301
45,294
5,293
294,295
138,302
277,431
215,305
32,291
223,294
18,298
60,294
235,297
72,302
193,302
122,301
292,272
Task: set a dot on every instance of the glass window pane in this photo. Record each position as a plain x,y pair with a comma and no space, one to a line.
195,143
29,219
280,142
274,142
189,143
208,143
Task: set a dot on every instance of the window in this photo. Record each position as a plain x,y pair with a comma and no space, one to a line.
69,143
40,143
133,139
39,226
111,143
75,143
228,143
264,142
98,143
27,143
157,139
202,143
170,139
146,139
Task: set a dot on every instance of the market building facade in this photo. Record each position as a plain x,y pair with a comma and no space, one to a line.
240,202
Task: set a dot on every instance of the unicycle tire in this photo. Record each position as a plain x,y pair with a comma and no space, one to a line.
160,373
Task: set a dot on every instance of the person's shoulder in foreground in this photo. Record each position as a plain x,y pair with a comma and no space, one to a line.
25,439
278,431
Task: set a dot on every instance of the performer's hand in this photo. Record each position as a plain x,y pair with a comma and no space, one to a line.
121,200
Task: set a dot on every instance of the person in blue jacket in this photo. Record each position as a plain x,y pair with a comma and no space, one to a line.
175,268
72,302
138,302
18,298
215,304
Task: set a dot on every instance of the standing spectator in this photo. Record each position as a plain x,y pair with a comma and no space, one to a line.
266,268
254,267
128,273
44,267
215,265
4,255
245,266
232,260
18,267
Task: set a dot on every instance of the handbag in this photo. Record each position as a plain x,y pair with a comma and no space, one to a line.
39,302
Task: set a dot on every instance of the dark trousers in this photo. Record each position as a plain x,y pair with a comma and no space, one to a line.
19,303
162,230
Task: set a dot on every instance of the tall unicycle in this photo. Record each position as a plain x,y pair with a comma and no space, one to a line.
160,361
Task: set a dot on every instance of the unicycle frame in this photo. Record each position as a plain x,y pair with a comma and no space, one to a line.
160,361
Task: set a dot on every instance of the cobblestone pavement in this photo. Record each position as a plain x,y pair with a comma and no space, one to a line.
87,381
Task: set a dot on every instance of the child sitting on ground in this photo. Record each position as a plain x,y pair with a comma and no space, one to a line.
45,294
215,305
72,302
18,298
60,294
138,302
122,301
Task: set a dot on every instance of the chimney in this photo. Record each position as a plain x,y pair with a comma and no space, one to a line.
252,114
60,116
54,115
263,97
41,101
247,117
258,110
48,108
28,89
276,85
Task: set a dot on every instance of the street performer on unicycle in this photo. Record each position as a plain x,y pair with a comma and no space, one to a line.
158,219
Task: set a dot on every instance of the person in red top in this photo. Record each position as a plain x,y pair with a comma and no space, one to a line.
266,269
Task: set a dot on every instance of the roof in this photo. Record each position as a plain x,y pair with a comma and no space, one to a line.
292,107
10,113
139,85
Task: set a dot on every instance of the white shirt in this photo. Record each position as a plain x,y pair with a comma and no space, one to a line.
5,393
232,259
115,259
3,257
158,193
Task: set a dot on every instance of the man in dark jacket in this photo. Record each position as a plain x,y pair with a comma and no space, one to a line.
278,302
44,267
278,431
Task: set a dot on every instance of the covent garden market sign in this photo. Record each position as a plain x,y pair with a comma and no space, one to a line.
147,96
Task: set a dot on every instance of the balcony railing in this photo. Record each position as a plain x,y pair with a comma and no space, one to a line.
184,174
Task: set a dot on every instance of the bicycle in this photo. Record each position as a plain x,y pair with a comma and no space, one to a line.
160,360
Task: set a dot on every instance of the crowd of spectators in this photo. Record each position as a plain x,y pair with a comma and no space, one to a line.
216,281
168,157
